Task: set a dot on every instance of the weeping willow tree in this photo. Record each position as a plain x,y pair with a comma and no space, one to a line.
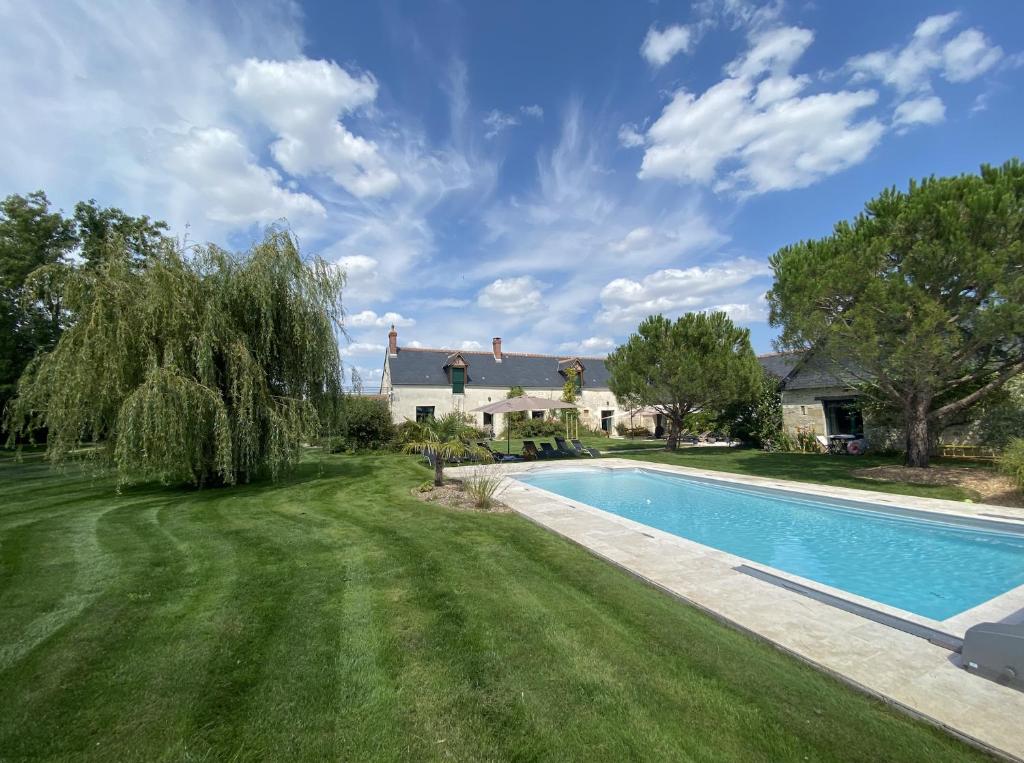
202,366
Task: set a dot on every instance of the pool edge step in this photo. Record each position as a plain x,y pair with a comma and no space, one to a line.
937,637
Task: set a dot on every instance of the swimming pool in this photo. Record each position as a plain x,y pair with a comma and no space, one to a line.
935,569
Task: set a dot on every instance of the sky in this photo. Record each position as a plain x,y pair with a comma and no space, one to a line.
550,173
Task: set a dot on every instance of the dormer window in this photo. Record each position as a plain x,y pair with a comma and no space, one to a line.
572,368
456,366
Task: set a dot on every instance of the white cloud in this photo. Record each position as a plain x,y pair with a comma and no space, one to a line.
673,291
595,345
969,55
370,318
362,348
909,69
358,265
470,344
301,101
662,45
630,137
750,312
754,132
497,121
100,96
928,110
638,238
237,189
512,296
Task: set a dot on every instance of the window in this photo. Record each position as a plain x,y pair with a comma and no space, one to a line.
578,379
606,421
843,417
424,412
488,419
458,380
537,414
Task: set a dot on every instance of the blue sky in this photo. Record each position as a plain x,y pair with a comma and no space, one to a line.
545,172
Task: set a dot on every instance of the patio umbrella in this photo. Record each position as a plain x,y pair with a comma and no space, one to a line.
518,405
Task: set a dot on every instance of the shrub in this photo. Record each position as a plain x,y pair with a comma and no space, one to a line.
333,444
366,423
757,421
404,433
481,486
538,428
1011,462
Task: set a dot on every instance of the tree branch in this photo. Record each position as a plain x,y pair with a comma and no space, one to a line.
958,405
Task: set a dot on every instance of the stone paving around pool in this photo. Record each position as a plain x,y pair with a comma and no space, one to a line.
910,672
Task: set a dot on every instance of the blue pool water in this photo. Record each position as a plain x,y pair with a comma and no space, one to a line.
933,569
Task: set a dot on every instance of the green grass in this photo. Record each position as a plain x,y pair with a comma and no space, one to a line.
333,616
805,467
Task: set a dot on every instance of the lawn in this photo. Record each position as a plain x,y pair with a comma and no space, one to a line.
333,616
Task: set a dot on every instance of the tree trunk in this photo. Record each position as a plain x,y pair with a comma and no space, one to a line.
672,441
438,470
918,440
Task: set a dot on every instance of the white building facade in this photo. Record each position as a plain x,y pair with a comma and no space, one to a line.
419,382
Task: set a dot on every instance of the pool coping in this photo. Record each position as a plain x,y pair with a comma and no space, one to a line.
919,677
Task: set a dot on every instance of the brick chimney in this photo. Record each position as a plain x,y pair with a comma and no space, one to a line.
496,347
393,342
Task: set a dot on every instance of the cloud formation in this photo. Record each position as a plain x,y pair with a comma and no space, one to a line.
301,100
662,45
370,318
755,131
512,296
673,291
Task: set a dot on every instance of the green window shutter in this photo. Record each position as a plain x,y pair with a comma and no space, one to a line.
458,380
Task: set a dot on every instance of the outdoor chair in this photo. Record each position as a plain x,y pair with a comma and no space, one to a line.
497,457
548,451
583,450
563,447
687,436
530,451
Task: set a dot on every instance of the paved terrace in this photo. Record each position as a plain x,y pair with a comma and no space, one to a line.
915,675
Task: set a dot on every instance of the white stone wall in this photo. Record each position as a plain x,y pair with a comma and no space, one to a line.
405,399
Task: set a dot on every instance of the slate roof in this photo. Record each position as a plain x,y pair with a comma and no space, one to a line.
814,371
779,364
416,366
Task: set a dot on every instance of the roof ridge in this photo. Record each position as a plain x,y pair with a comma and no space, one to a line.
514,354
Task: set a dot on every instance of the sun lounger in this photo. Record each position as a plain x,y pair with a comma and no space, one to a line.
547,450
530,451
582,450
563,447
499,457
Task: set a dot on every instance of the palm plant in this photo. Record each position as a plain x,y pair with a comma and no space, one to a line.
443,439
